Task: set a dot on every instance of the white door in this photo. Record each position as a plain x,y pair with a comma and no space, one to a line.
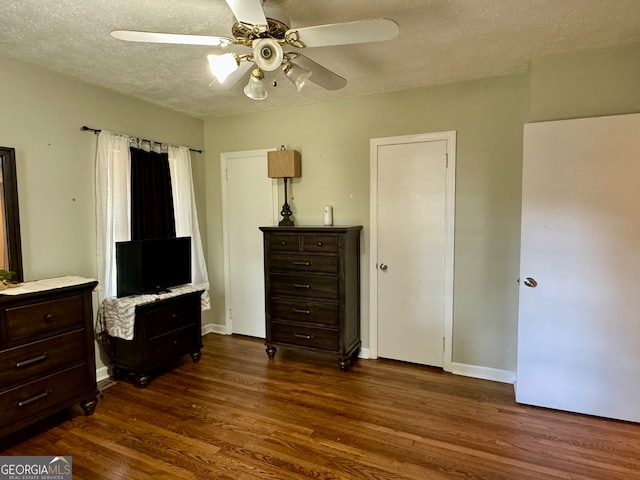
413,230
578,329
249,201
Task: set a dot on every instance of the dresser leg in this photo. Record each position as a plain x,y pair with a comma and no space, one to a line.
117,373
195,356
142,380
344,362
271,351
89,406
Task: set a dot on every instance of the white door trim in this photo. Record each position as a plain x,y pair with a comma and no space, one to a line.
225,158
375,143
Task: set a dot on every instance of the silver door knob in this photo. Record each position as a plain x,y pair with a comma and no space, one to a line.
383,267
530,282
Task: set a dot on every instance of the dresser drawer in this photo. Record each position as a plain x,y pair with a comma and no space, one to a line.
304,336
39,395
44,318
320,243
304,286
284,243
302,263
302,311
20,364
174,344
178,314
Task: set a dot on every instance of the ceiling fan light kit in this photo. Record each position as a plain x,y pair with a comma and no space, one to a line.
296,74
266,38
222,66
255,88
267,54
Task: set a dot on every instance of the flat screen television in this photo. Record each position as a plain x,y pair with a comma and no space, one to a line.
152,266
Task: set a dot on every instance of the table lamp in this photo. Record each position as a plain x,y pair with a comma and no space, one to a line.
284,164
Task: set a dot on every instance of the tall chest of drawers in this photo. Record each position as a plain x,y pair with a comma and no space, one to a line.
312,290
47,354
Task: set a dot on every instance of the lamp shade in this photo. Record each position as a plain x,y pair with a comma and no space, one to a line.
284,164
255,88
297,75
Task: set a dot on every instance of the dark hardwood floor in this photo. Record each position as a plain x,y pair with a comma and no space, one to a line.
237,415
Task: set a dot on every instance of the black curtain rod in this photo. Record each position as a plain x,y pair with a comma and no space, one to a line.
97,131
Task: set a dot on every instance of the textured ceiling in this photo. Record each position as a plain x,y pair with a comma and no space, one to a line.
440,41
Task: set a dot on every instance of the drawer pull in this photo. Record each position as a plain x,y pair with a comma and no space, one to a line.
319,244
40,396
31,361
298,310
304,264
306,336
283,242
301,285
48,317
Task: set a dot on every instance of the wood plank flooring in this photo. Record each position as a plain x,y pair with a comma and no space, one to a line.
237,415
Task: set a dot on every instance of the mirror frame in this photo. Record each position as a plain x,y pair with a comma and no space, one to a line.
12,216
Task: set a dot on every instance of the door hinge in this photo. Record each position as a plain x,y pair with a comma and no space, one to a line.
444,347
226,174
446,160
230,313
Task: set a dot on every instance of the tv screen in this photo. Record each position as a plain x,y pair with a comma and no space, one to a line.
152,266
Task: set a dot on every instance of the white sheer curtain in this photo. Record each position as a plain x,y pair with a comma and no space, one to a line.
113,173
184,206
113,210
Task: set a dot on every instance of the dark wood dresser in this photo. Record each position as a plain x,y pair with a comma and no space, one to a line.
47,354
312,290
164,330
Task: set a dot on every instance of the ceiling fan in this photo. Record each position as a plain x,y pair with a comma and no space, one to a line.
266,32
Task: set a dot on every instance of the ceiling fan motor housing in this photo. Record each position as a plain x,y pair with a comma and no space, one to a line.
267,53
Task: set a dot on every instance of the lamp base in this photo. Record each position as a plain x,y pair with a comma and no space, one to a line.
286,221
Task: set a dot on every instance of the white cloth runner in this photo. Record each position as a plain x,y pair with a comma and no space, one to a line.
116,316
45,284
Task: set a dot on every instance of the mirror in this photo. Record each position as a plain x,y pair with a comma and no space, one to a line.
10,246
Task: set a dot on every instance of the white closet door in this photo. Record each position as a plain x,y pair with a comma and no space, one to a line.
579,328
249,202
412,228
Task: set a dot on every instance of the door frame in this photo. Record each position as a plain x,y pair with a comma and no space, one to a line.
225,158
450,138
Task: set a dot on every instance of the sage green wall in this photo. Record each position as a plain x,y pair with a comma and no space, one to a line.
333,139
42,113
586,84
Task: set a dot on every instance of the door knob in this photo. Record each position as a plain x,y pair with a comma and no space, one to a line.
383,267
530,282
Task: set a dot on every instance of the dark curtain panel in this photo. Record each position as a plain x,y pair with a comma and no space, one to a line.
152,213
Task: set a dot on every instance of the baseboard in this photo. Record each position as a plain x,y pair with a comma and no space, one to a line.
102,373
214,328
485,373
364,353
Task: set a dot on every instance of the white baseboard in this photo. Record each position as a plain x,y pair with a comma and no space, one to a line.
364,353
485,373
102,373
214,328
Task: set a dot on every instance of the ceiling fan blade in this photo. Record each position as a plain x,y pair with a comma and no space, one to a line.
151,37
362,31
234,78
320,75
248,11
